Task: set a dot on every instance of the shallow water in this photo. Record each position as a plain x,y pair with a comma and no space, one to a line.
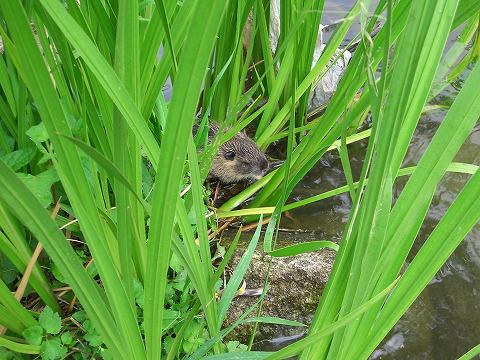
443,322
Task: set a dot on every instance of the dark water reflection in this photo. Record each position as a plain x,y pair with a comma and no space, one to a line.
444,321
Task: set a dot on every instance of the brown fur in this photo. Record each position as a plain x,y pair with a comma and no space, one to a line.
238,159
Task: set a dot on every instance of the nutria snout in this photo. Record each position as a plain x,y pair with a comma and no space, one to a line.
238,159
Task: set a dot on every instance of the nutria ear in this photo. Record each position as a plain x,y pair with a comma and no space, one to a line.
243,134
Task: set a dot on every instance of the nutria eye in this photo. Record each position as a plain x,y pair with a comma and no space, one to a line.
229,155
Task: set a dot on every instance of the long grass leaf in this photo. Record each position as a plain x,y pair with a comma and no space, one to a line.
240,270
192,68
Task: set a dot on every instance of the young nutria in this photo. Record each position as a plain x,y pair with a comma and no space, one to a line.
238,159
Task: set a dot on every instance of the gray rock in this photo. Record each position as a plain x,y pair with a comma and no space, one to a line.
296,284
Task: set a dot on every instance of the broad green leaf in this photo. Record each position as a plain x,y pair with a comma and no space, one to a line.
33,334
19,158
52,349
50,321
40,185
38,133
67,338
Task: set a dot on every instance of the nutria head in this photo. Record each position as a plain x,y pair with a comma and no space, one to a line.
238,159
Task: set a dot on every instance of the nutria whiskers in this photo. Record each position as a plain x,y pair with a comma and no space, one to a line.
238,159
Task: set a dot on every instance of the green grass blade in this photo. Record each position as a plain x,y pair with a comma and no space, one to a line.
272,320
192,68
412,205
471,353
126,151
10,322
309,246
14,245
19,348
251,355
166,26
110,167
237,277
466,10
14,307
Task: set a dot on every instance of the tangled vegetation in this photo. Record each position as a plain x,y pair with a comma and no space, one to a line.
107,234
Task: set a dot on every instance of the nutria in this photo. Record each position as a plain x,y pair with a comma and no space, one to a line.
238,159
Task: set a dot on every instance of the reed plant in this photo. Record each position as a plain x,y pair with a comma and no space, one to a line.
93,153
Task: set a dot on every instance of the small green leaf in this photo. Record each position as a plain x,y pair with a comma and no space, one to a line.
6,354
92,336
93,339
168,343
33,334
40,185
19,158
235,346
87,324
176,263
81,254
191,345
169,318
67,338
57,273
53,349
38,133
138,293
50,321
9,271
80,316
